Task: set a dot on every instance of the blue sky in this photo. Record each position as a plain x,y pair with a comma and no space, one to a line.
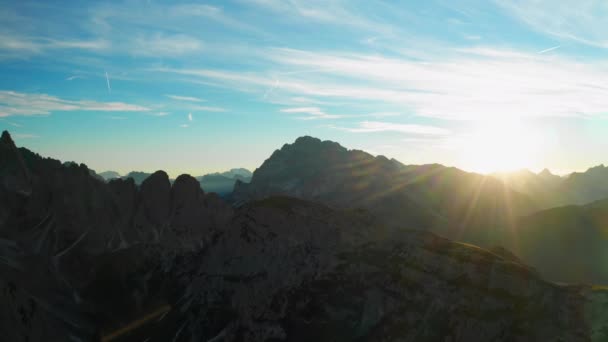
195,87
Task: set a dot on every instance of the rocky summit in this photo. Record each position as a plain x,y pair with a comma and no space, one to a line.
85,260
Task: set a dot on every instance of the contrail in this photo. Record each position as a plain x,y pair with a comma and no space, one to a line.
108,82
550,49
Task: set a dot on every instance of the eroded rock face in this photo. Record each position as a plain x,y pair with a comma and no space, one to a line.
81,260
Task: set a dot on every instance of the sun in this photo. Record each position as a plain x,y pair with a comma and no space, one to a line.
501,145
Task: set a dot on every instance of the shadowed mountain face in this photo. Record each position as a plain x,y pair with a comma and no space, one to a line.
567,243
85,260
454,203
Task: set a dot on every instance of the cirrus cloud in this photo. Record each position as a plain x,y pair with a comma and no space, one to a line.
465,84
378,126
16,103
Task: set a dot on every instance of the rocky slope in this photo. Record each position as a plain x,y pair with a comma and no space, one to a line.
83,260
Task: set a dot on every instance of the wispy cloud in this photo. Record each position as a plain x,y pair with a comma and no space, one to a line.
207,109
160,114
24,136
166,45
312,113
377,126
214,13
184,126
16,103
340,13
74,77
383,114
184,98
583,23
189,116
83,45
474,83
30,44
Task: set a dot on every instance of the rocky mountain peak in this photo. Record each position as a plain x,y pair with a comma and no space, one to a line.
6,139
307,140
16,175
157,178
311,143
186,187
155,194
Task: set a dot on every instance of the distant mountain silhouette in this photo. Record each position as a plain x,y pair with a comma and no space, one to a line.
220,183
543,188
586,187
223,183
237,173
109,175
549,190
82,259
457,204
138,176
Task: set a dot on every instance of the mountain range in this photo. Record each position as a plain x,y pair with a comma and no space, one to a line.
305,251
550,190
221,183
446,200
484,210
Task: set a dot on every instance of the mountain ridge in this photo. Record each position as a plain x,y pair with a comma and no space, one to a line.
82,258
427,196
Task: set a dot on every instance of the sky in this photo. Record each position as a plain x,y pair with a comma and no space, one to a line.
197,87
